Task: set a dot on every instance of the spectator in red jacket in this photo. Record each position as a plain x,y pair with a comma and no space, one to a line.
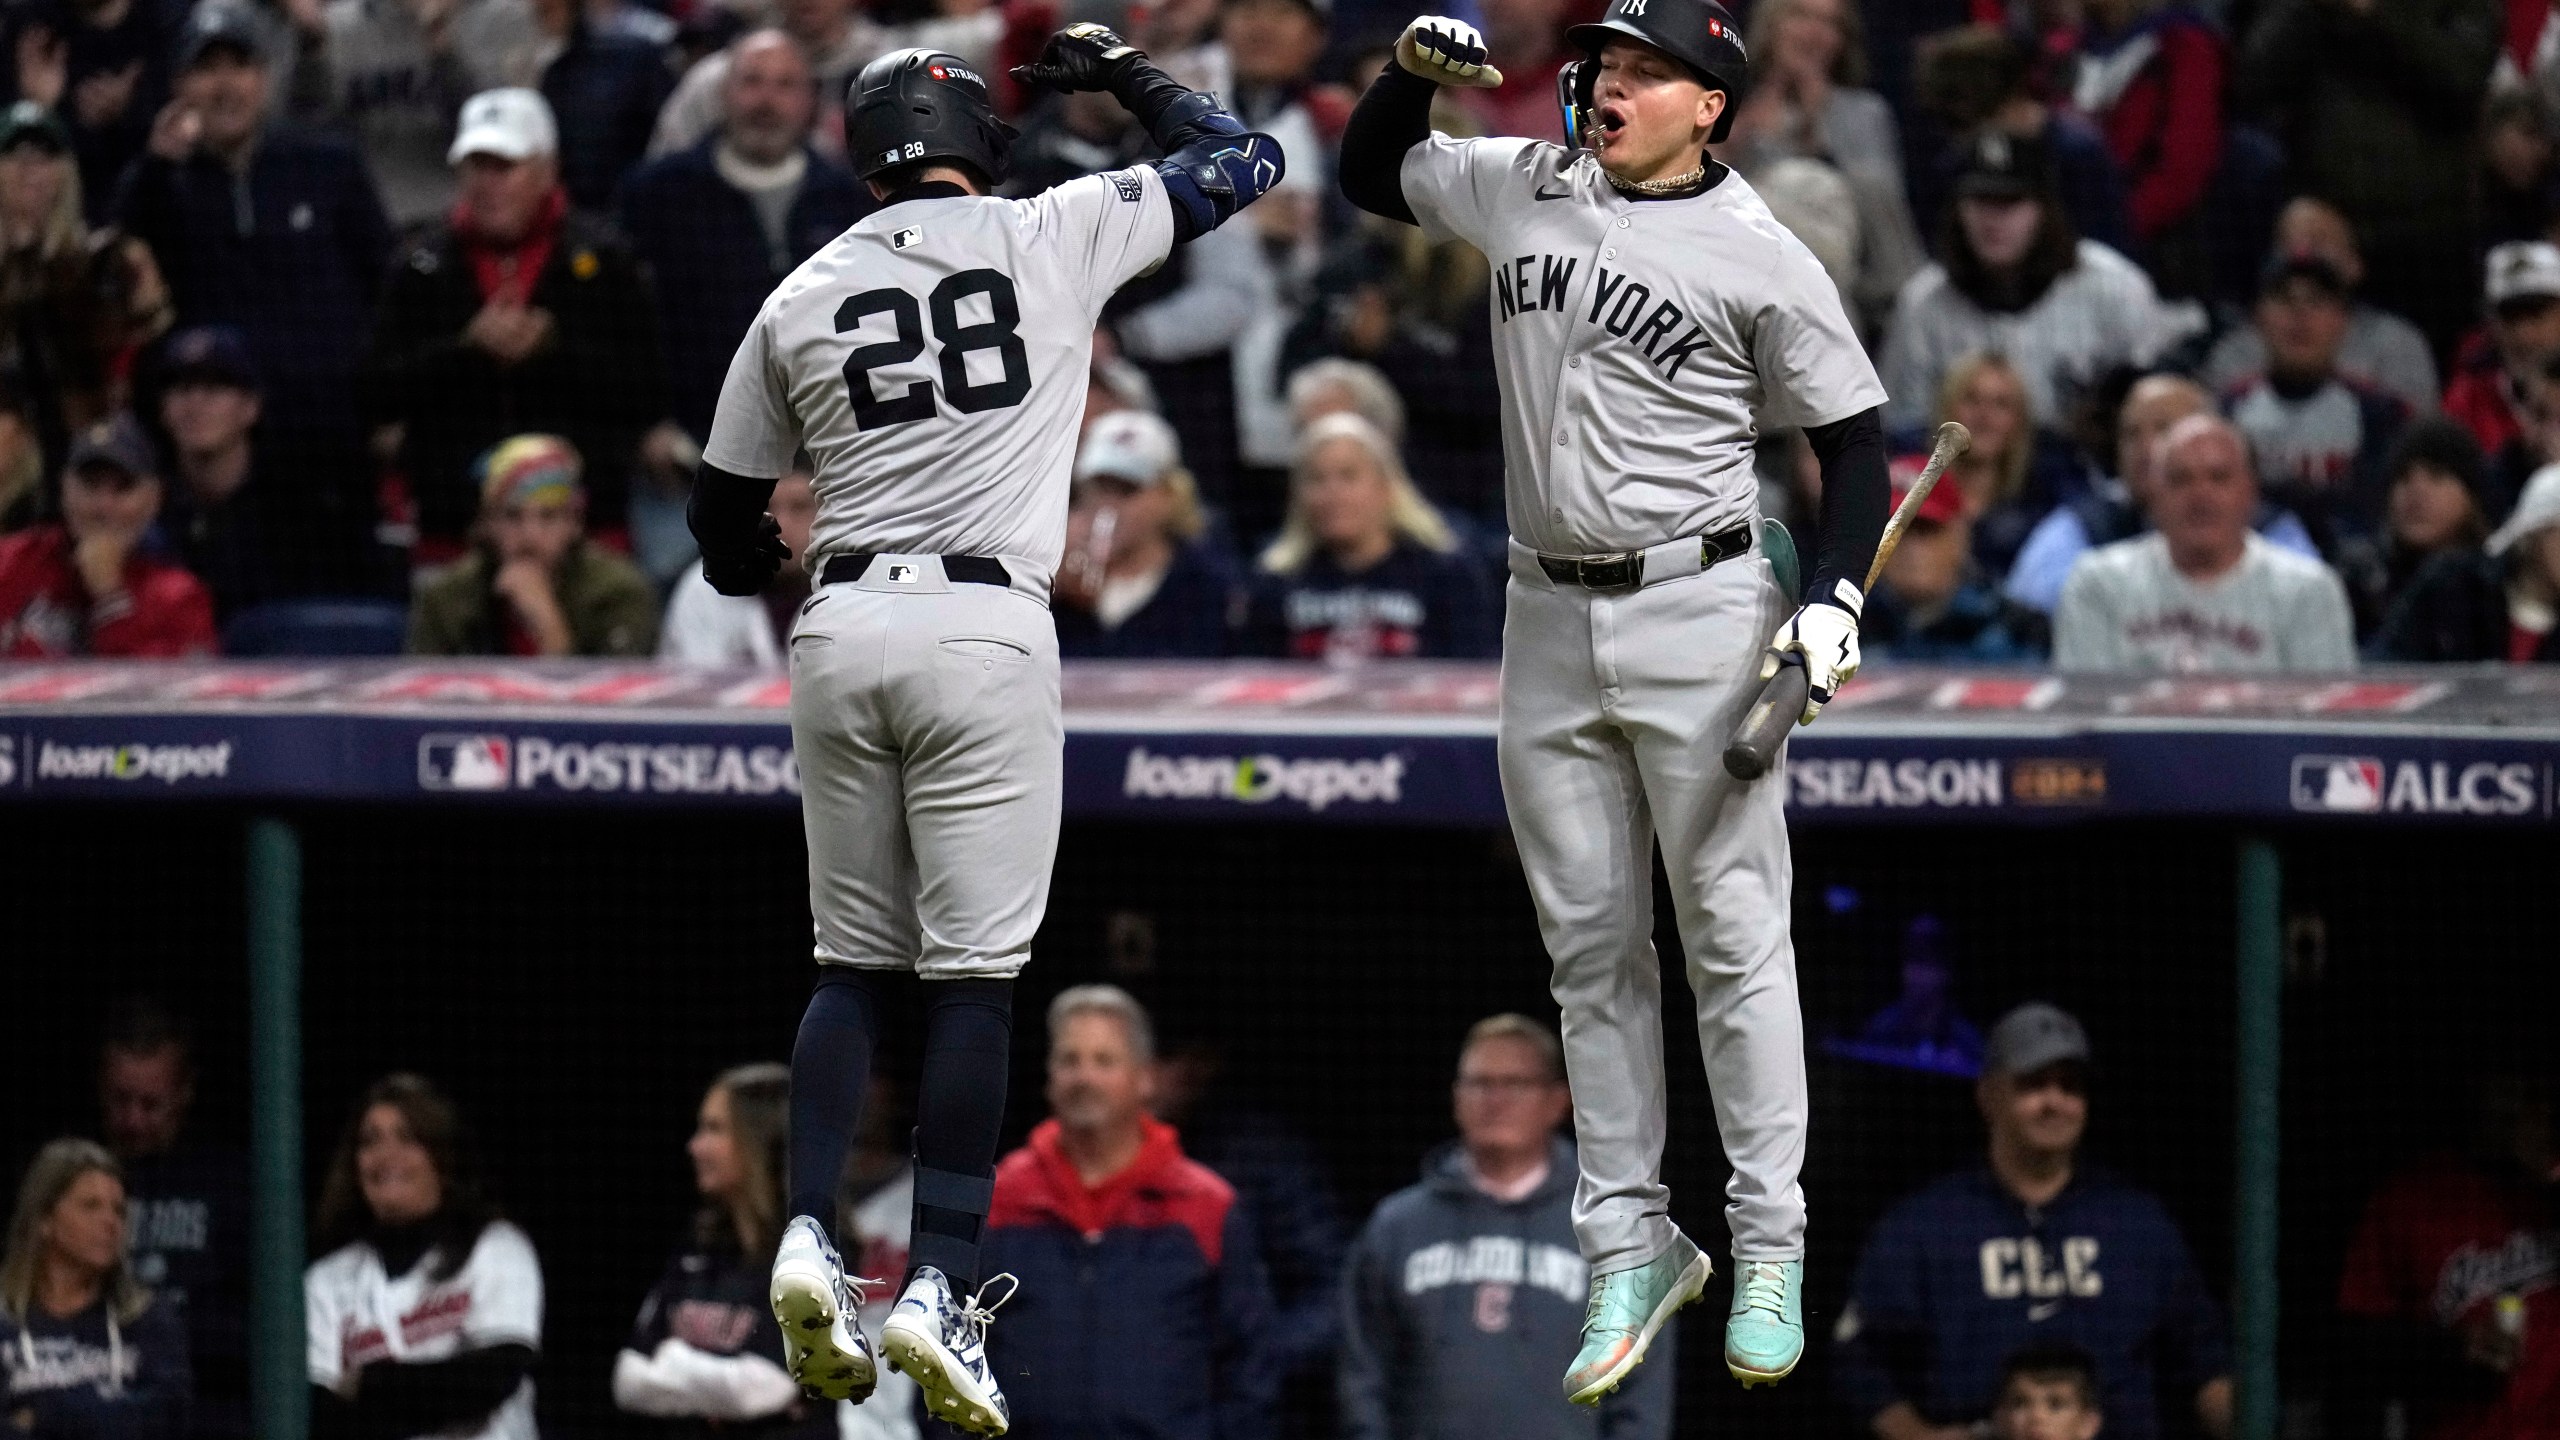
1103,1215
2150,78
2522,291
82,585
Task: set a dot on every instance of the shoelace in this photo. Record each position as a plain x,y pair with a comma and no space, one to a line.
1764,1287
980,1312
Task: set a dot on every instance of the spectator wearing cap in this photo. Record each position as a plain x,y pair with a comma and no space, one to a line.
2498,603
2521,338
1363,566
74,302
515,314
2320,437
103,66
1465,1290
2014,277
2389,144
705,627
534,584
392,75
2433,504
1977,79
2118,507
2202,592
249,530
2035,1246
1139,578
2381,350
1934,603
275,232
87,584
724,222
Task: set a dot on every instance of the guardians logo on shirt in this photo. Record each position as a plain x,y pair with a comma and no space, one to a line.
1624,307
60,1362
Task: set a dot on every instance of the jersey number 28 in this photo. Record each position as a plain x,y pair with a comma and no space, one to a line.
1000,333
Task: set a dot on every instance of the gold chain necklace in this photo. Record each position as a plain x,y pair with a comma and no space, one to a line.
1659,187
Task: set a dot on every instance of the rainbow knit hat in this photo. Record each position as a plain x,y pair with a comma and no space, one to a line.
529,470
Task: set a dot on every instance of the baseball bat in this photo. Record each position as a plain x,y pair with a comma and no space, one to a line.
1764,726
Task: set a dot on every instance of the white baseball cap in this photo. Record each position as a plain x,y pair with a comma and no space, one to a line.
1132,445
2523,270
512,124
2537,509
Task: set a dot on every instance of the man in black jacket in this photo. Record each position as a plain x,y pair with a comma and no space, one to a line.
722,223
277,233
515,315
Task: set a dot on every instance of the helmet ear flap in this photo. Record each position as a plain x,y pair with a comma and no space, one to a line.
1575,87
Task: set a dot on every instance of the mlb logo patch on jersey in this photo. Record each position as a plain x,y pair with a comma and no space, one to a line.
907,239
902,574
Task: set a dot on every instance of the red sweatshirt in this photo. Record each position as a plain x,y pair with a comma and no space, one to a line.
2156,94
47,612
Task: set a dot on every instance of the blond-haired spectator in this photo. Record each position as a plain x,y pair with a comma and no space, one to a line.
84,1349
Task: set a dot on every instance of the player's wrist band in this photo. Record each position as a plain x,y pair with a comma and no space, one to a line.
1634,569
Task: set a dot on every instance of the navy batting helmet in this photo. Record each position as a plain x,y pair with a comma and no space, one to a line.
912,105
1700,34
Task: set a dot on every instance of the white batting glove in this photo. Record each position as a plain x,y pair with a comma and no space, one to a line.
1446,52
1824,630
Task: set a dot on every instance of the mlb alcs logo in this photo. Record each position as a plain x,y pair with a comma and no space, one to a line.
2337,784
463,762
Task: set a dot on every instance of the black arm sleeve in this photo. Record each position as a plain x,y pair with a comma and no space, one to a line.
1391,118
1857,499
1175,115
397,1400
725,508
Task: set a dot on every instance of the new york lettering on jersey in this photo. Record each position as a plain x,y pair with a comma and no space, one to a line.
1616,296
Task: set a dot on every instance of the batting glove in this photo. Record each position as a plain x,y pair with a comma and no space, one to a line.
746,568
1446,52
1080,57
1824,630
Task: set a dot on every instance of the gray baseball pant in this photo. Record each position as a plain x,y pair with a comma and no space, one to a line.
1616,707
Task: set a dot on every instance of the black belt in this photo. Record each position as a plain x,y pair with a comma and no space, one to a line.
961,569
1625,570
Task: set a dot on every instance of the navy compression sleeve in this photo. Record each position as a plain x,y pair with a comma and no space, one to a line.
1393,116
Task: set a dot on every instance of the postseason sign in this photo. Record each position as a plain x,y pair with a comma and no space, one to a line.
1408,742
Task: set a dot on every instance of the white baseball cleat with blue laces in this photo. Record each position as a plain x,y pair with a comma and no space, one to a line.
814,1301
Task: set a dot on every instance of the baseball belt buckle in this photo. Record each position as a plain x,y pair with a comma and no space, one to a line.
1622,571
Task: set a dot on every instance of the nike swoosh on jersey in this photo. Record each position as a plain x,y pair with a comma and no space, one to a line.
1541,194
2038,1314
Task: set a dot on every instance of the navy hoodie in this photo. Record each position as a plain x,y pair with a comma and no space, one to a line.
1461,1314
80,1378
1960,1276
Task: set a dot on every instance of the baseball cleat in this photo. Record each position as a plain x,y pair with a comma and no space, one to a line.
1764,1336
814,1301
941,1344
1628,1308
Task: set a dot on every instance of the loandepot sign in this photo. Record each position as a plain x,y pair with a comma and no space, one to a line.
1262,779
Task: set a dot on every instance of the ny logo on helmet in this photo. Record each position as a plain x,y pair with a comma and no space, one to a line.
1633,7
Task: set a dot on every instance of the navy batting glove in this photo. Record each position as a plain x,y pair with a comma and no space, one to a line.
1080,57
746,568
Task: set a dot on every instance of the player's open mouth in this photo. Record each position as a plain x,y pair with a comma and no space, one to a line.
1612,120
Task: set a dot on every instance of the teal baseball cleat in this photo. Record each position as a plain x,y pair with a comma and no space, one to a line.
1628,1307
1764,1336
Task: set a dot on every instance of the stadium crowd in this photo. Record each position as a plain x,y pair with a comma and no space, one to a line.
2029,1293
361,326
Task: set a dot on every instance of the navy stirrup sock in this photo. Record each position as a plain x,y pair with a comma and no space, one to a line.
968,1043
830,1069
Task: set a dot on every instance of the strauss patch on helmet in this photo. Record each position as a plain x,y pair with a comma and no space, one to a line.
956,72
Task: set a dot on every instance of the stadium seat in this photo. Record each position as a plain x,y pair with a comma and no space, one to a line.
352,626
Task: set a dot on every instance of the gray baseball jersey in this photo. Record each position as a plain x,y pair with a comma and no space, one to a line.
1640,344
933,361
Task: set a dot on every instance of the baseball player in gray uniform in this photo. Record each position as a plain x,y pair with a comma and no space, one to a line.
932,361
1649,316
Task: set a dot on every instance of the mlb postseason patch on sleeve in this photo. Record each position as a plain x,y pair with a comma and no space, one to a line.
1131,188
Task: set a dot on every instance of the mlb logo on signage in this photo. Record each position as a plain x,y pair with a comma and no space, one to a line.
2337,784
463,762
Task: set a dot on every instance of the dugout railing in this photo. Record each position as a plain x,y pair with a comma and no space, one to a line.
2197,785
